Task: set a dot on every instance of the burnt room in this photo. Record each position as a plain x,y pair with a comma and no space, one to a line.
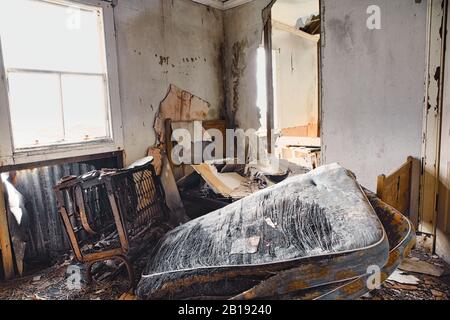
224,150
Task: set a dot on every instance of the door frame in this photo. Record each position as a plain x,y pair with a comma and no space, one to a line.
432,119
267,42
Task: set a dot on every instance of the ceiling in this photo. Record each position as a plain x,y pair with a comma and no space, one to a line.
222,4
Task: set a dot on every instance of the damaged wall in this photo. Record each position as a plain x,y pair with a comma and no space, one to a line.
243,36
373,85
160,43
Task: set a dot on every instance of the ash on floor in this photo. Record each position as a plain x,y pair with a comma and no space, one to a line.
431,281
420,277
59,283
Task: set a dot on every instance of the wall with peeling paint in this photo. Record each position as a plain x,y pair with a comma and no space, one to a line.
243,36
160,43
373,85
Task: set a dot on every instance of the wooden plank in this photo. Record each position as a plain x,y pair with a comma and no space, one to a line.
395,189
5,241
221,183
300,131
220,125
173,198
284,27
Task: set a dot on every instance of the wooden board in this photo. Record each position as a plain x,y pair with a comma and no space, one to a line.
5,241
221,183
395,189
311,131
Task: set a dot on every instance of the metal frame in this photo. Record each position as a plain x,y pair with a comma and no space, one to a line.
70,194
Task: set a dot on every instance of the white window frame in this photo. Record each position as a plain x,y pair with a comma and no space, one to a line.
9,156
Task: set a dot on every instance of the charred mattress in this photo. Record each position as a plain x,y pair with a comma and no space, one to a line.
307,232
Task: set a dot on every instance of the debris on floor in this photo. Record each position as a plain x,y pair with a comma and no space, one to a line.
402,278
417,266
52,284
427,287
216,184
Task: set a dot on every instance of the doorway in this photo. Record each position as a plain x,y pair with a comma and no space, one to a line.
434,215
289,60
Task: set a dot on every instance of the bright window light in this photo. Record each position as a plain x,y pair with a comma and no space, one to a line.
55,62
261,77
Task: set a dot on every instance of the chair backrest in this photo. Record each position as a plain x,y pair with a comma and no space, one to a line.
104,211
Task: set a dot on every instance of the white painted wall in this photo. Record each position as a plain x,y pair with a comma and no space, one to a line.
243,36
297,91
373,85
162,42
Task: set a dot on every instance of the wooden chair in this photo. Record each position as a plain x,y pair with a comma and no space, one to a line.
395,189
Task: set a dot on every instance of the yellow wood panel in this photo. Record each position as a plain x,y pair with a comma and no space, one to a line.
5,241
395,189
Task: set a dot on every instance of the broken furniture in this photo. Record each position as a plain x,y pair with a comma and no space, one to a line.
307,232
112,214
216,184
395,189
198,132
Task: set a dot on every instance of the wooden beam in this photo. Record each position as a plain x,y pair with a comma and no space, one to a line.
284,27
5,241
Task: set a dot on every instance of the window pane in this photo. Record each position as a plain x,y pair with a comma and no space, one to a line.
35,109
85,107
40,35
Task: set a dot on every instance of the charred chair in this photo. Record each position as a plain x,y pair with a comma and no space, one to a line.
113,214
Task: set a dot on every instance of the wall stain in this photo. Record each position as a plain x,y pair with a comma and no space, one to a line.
238,67
164,60
343,32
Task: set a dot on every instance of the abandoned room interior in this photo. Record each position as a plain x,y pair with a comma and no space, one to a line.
224,150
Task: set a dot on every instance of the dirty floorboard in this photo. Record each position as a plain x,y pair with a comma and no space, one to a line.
428,288
50,284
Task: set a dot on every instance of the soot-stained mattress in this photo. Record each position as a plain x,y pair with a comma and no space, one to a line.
306,231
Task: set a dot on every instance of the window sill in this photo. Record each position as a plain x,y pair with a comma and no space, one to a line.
56,152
